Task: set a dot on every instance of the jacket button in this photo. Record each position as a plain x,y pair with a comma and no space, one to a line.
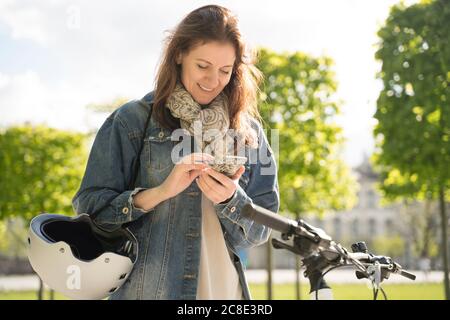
125,210
161,134
233,209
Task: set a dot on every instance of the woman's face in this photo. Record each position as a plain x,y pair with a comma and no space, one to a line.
206,70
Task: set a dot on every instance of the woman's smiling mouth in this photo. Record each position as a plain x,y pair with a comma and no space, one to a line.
204,88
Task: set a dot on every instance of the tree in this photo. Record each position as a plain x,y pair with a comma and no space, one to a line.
413,131
421,222
297,99
41,171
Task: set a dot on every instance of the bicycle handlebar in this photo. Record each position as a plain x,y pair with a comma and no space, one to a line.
282,224
269,219
407,274
319,237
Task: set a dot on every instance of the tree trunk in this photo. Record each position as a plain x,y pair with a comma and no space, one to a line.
269,269
444,223
425,252
298,265
297,268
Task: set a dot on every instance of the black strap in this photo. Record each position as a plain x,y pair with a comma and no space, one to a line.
137,163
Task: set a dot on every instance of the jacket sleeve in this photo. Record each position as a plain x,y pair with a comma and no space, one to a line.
262,190
103,189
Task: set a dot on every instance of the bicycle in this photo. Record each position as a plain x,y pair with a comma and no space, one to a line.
321,254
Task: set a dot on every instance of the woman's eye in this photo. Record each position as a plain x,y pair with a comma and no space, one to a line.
202,67
225,72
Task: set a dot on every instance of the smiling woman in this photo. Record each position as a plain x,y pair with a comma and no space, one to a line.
186,214
204,79
206,52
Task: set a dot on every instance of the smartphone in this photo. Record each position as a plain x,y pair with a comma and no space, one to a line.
229,165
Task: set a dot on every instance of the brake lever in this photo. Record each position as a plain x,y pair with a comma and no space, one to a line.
277,244
319,235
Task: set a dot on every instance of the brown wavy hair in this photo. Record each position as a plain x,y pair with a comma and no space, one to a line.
203,25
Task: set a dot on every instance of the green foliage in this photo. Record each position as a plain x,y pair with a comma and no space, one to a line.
3,233
297,98
41,170
413,113
413,131
421,220
393,246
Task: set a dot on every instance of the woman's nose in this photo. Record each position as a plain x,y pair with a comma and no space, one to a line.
213,80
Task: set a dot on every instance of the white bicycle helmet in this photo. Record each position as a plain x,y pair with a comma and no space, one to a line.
78,259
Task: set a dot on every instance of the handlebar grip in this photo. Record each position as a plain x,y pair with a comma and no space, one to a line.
408,275
268,218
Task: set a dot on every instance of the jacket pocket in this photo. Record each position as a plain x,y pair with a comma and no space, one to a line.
158,148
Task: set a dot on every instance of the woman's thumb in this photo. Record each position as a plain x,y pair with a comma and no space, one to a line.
238,173
194,174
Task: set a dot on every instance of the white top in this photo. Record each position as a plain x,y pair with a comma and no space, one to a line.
218,278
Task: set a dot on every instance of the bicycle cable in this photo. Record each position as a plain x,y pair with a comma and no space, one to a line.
374,291
323,275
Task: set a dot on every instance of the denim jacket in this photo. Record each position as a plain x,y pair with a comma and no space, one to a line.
169,235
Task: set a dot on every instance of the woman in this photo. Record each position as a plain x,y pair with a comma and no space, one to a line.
188,231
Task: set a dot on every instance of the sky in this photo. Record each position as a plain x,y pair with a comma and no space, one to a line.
57,56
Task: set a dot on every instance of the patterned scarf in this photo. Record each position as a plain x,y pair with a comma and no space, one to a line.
209,125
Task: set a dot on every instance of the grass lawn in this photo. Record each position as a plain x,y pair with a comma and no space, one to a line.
425,291
27,295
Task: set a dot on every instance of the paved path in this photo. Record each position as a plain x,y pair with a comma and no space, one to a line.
31,282
339,276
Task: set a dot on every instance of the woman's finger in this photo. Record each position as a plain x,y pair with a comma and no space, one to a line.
194,174
197,157
238,173
209,193
194,166
213,193
223,179
213,184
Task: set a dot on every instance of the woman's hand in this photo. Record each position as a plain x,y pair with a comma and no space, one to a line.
184,172
216,186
